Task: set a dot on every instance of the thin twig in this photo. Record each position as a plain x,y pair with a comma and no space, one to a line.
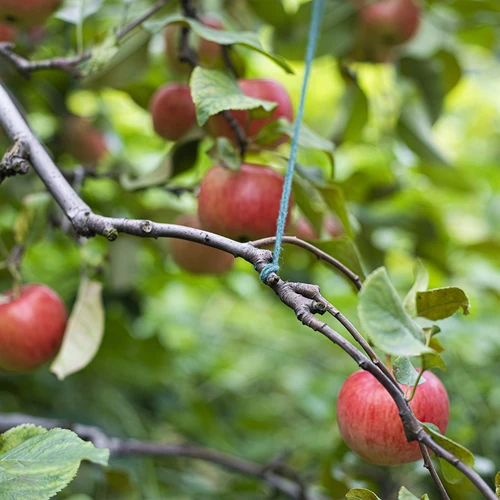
293,240
68,64
285,483
430,467
297,296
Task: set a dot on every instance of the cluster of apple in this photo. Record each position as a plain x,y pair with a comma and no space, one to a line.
241,204
383,25
27,17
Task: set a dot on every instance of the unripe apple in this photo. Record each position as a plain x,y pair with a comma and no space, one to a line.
209,53
173,111
27,13
195,257
82,140
369,421
268,90
388,22
31,327
7,33
241,204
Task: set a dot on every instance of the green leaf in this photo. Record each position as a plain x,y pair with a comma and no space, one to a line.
361,494
415,130
214,91
344,250
84,331
497,484
334,198
404,494
405,372
127,65
352,115
309,201
451,474
244,38
225,153
440,303
307,137
421,283
76,11
35,463
102,54
384,319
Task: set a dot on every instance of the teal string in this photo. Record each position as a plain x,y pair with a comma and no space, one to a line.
314,27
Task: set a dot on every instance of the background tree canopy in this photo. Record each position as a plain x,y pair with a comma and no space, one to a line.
405,154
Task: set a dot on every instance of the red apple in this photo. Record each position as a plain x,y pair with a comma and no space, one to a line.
195,257
268,90
27,13
31,327
209,53
390,22
241,204
7,33
82,140
173,111
369,421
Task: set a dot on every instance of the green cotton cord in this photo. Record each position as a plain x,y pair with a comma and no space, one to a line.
274,267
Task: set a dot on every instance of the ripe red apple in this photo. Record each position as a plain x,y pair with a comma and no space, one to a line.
27,13
268,90
7,33
241,204
195,257
209,53
31,327
173,111
82,140
369,421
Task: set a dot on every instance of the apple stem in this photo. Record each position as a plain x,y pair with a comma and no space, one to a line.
415,386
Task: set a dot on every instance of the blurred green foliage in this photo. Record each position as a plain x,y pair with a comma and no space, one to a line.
219,361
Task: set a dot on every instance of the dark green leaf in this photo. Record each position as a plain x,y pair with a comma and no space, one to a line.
244,38
440,303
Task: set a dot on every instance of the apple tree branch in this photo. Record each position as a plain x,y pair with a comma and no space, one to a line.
304,299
